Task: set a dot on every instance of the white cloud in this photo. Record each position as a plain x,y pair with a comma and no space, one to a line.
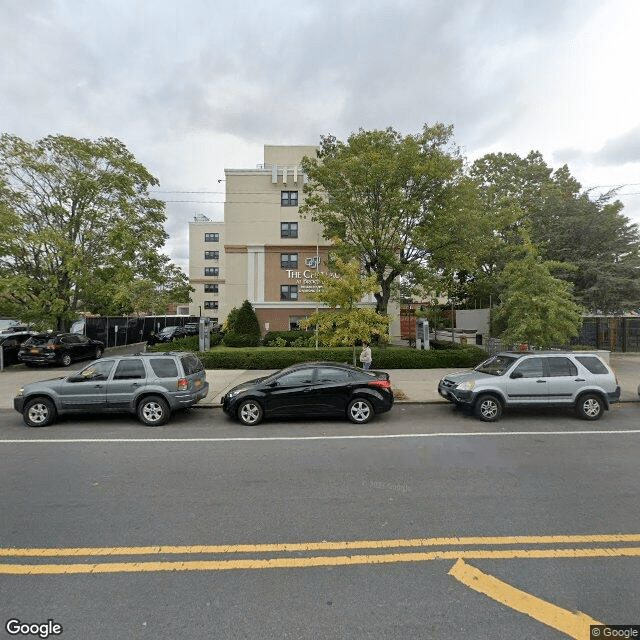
194,87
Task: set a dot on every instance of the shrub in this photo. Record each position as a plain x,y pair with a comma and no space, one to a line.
443,344
388,358
244,328
246,323
190,343
284,338
234,339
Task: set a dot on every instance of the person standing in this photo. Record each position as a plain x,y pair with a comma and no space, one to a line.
365,356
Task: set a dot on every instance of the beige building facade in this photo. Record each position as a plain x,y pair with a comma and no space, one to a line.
263,251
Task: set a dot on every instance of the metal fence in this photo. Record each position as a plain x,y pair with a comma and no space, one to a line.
607,333
124,330
611,333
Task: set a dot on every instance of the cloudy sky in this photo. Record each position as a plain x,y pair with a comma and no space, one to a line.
196,86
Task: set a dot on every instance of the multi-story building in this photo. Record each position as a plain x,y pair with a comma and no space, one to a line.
263,251
206,266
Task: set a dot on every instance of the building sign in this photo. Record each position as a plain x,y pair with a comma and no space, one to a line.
307,280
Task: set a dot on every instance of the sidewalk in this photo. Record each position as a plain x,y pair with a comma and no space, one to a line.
416,385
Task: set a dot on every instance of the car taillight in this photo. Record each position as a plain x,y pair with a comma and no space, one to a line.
183,384
383,384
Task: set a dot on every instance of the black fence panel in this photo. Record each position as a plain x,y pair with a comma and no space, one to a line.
611,333
123,330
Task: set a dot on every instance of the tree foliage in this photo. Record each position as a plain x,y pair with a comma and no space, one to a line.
564,223
536,308
602,245
243,327
347,321
80,231
402,205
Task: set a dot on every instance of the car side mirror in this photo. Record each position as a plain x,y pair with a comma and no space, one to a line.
515,375
77,378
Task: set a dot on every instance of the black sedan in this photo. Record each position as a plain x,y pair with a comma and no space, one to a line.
59,348
10,345
311,389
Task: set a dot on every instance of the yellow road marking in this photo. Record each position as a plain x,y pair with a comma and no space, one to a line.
576,625
314,561
319,546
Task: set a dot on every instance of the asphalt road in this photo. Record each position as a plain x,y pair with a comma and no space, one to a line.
205,529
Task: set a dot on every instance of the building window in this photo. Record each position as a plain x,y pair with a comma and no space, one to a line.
210,304
288,198
294,322
212,271
289,260
211,288
288,292
288,229
212,237
211,255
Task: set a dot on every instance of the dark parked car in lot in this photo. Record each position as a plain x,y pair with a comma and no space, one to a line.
10,345
191,328
149,385
580,380
311,389
59,348
169,334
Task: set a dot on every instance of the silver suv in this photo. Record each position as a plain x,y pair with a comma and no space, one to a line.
149,385
535,378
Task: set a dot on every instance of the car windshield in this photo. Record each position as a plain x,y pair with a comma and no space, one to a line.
496,365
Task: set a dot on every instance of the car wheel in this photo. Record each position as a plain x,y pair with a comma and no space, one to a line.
250,412
153,411
590,407
98,354
39,412
65,361
488,408
360,411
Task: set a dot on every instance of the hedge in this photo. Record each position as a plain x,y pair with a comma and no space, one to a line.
286,337
220,357
388,358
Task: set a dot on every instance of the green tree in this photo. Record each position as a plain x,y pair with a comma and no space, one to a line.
346,322
402,205
243,327
564,223
79,231
602,245
536,308
511,189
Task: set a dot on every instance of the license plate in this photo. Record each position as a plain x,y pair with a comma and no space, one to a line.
34,351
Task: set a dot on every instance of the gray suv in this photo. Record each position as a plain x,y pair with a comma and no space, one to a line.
534,378
149,385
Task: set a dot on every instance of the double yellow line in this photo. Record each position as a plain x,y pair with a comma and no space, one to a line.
269,556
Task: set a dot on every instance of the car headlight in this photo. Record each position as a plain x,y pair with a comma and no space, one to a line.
467,386
234,393
20,391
